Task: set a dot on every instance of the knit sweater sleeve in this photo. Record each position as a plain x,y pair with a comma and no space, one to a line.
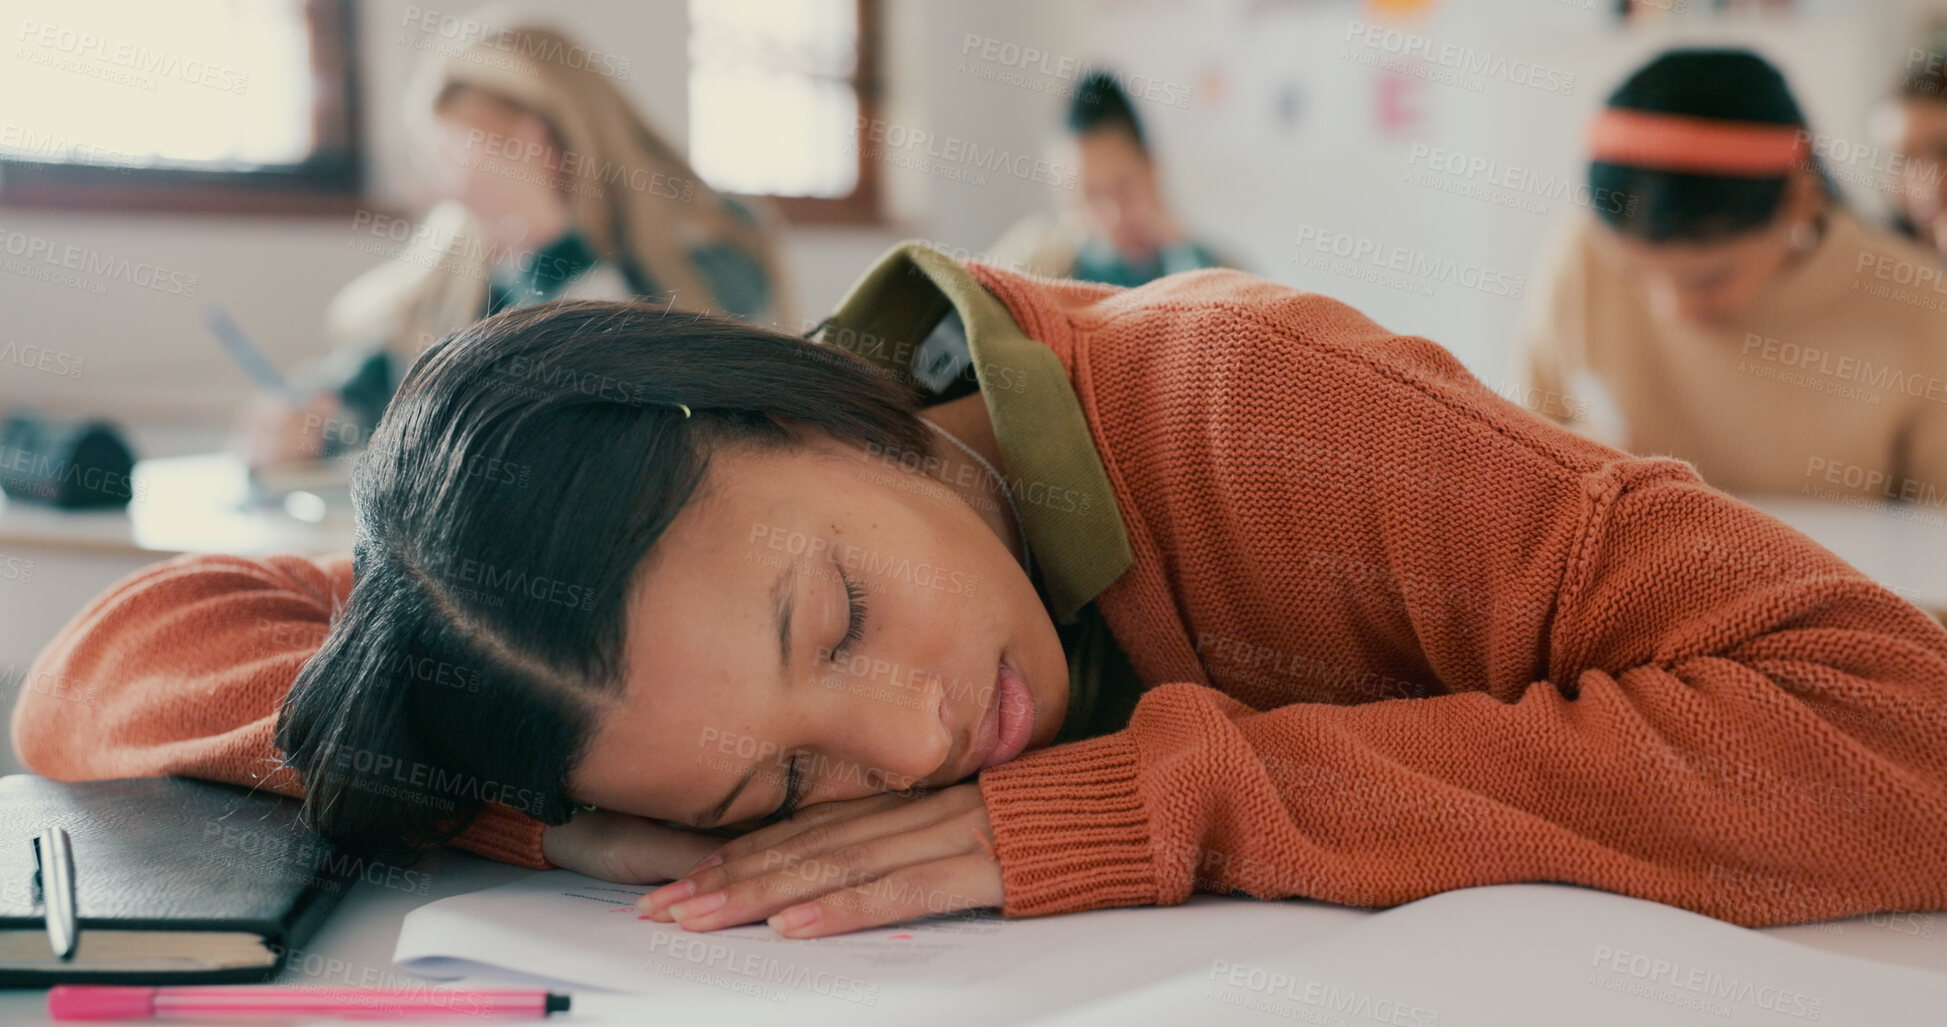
1421,640
179,670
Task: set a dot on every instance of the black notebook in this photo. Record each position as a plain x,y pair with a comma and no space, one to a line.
176,881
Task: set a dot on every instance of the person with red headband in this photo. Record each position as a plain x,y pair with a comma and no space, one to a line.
1729,309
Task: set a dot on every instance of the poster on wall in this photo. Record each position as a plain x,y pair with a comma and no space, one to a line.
1642,11
1280,73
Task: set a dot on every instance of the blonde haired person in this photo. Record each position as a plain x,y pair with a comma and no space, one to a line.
551,186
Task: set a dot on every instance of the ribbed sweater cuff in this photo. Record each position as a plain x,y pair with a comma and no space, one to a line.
1070,829
499,833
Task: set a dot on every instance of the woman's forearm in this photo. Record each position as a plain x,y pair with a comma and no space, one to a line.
179,670
1728,719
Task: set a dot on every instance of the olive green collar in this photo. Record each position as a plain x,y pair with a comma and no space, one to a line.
1054,473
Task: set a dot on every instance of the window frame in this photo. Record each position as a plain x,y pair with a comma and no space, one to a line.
330,181
861,207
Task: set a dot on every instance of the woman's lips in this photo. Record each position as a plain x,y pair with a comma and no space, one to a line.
1009,722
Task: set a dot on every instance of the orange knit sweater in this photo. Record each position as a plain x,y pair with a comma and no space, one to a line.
179,669
1401,637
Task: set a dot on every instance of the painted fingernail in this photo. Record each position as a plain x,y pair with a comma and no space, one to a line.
702,905
794,918
675,891
704,864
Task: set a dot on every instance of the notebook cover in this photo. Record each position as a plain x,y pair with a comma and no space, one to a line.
163,853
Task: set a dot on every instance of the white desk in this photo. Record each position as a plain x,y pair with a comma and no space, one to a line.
180,504
354,949
1901,547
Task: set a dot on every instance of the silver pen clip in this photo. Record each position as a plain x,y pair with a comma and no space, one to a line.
54,866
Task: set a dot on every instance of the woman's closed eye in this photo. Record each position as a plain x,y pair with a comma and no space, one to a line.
794,778
793,790
854,618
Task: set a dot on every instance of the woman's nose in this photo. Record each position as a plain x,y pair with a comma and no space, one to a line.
886,717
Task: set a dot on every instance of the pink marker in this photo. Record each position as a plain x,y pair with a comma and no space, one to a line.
109,1002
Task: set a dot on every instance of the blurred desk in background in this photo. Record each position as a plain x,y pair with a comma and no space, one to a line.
184,504
56,561
1901,546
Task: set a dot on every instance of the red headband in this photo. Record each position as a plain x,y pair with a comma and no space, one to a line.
1704,146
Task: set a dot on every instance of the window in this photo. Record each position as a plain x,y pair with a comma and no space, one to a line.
777,88
200,105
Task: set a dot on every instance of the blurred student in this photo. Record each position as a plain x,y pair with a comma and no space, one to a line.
1123,233
1913,125
551,186
1728,305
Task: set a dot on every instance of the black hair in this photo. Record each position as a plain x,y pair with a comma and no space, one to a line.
1099,103
503,508
1673,206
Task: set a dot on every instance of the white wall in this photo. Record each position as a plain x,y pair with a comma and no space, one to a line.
144,355
1259,189
1238,175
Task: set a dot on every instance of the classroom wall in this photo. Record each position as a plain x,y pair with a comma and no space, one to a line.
1351,169
1276,135
144,355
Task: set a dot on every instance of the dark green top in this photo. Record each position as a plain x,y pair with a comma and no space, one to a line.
736,281
897,316
553,267
1097,261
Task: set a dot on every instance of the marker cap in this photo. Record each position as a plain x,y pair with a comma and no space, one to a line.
96,1002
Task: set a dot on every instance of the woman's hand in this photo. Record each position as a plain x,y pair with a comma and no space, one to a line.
843,866
623,848
272,431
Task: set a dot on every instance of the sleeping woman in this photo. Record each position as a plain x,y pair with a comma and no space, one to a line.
1208,585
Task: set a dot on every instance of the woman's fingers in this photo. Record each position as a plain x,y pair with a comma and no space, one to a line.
942,886
791,880
739,859
742,859
820,815
808,843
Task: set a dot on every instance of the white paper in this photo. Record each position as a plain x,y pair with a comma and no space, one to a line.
1514,954
1531,954
564,927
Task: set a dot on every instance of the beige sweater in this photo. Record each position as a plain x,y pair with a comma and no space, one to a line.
1834,386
